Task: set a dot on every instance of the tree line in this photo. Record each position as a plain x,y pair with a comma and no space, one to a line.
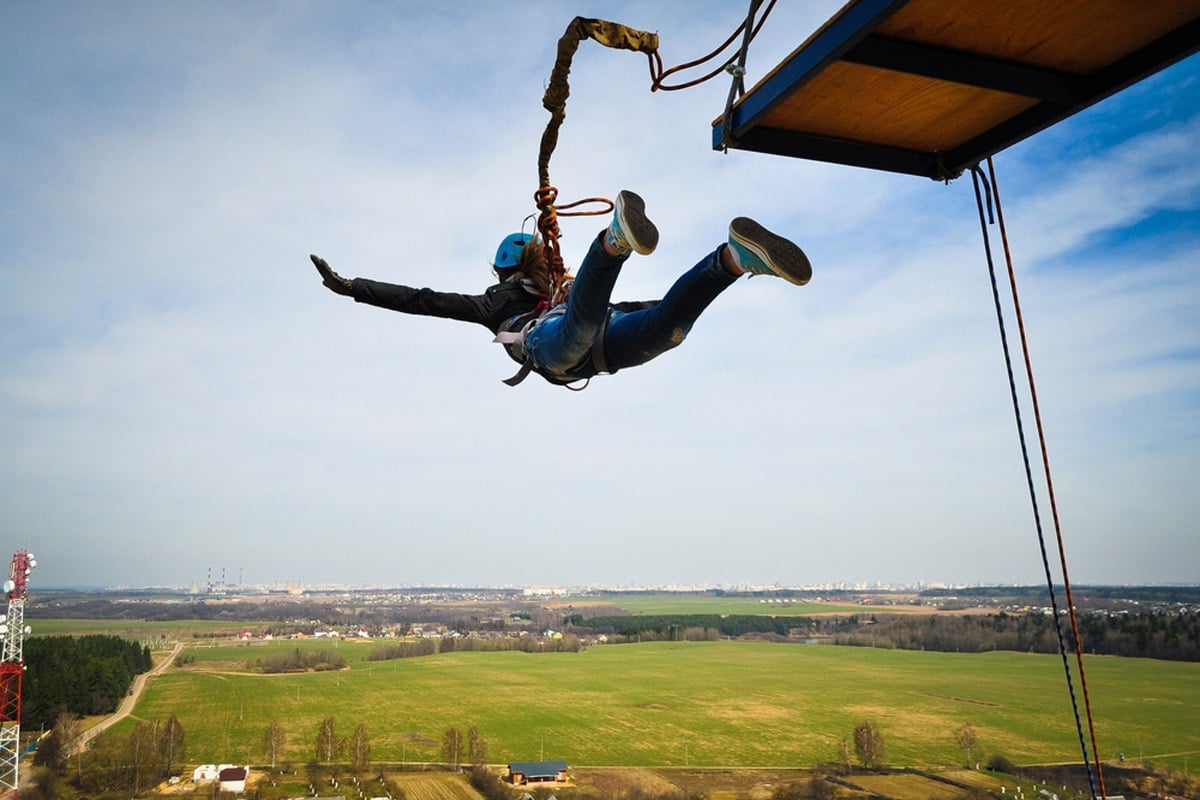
152,751
568,643
1086,595
1174,637
298,660
675,625
1162,635
83,675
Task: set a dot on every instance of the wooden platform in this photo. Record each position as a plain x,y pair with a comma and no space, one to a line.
932,87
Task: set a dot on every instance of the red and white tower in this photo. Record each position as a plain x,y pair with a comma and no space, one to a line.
12,667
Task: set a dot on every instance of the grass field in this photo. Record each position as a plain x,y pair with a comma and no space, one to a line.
683,704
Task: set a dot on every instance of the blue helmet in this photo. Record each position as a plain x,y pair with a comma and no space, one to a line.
508,255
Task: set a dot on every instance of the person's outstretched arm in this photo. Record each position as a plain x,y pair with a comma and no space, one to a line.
488,309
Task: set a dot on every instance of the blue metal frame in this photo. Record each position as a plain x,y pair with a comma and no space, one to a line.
850,37
844,31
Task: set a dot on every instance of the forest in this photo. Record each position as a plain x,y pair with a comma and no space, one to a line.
1173,636
82,675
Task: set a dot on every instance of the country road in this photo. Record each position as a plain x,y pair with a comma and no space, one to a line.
126,707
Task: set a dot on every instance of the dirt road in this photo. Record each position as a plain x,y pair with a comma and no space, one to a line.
126,708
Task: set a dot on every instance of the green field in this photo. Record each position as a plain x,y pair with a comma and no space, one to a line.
677,704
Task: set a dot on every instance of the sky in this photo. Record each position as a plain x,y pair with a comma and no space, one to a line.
181,398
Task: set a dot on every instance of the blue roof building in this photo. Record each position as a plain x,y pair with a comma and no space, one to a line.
523,772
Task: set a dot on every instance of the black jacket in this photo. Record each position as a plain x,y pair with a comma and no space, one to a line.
499,302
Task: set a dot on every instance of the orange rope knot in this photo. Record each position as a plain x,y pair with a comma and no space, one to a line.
554,100
547,225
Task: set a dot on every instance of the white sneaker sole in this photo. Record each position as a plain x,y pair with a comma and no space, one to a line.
640,232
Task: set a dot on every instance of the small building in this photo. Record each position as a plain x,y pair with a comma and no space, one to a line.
233,779
205,773
521,773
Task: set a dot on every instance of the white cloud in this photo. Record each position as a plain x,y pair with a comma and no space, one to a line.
177,391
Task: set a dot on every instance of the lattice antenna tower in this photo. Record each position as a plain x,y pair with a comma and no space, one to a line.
12,667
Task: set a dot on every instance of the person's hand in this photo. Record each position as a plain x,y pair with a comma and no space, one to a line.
331,279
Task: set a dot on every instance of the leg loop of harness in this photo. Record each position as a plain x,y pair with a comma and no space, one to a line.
514,342
599,361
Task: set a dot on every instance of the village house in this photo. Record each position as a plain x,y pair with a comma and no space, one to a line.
522,773
230,777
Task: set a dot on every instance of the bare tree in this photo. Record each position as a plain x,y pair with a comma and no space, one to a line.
172,743
452,742
360,749
844,755
328,745
868,745
966,740
140,752
67,726
476,747
274,740
54,749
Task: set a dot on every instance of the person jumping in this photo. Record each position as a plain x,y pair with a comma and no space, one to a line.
587,334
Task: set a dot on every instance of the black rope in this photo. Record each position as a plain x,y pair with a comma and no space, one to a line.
737,86
976,177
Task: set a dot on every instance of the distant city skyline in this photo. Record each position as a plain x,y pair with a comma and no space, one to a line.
299,587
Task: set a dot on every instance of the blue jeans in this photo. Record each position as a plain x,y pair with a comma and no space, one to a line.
561,346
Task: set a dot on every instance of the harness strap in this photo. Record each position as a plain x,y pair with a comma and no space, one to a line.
513,333
598,359
521,374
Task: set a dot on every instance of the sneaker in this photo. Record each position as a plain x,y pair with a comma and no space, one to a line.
631,229
761,252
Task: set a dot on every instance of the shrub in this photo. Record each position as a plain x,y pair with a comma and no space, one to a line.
999,763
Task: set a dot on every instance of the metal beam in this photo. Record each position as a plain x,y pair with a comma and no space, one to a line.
842,151
1164,51
956,66
1140,64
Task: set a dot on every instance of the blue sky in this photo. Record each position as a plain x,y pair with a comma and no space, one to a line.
178,393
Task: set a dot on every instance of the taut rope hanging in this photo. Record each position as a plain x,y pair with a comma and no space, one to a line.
747,30
991,189
611,34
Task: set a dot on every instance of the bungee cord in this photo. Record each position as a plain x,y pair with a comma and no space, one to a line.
989,193
558,89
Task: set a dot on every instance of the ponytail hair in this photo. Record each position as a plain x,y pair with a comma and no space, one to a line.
533,265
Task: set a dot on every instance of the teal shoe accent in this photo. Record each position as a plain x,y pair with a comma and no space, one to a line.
631,230
761,252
